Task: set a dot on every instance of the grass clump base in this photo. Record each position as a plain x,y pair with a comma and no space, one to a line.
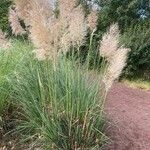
138,83
60,109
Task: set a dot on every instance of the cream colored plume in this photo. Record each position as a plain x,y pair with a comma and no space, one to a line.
39,31
50,33
15,23
23,7
109,42
56,35
115,55
66,7
73,24
44,30
92,20
77,27
115,67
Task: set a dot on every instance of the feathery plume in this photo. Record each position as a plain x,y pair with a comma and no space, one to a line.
115,55
115,67
41,32
65,43
75,29
66,7
22,8
77,26
14,23
92,20
109,42
49,34
46,5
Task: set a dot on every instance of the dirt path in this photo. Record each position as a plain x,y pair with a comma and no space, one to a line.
129,110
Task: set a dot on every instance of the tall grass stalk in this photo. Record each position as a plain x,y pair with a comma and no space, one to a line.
9,59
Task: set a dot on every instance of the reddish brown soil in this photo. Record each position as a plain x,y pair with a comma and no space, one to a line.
129,113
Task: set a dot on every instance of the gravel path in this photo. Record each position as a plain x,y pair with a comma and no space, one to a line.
129,112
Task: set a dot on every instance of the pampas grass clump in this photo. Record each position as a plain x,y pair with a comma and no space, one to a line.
60,110
61,107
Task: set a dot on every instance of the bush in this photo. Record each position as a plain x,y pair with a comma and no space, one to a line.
137,38
62,111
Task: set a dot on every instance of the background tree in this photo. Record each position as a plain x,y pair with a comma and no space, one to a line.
133,17
124,12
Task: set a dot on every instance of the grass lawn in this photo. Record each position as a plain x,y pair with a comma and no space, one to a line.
138,83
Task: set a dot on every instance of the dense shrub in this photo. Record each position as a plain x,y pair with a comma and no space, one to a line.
124,12
4,6
137,37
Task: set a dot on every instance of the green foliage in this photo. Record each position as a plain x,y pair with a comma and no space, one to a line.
137,37
62,111
135,31
9,59
125,12
4,6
